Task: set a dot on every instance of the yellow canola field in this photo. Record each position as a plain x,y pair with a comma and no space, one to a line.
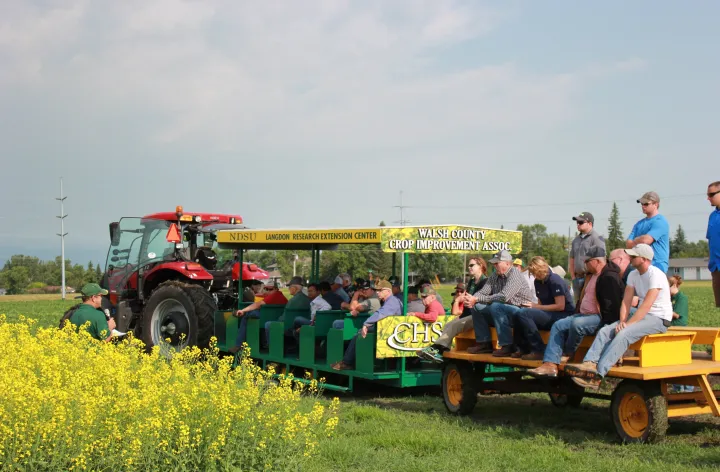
70,402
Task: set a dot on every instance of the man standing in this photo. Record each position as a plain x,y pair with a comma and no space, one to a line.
587,238
713,237
652,230
504,294
653,316
89,311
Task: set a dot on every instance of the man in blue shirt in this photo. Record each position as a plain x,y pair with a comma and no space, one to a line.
713,237
652,230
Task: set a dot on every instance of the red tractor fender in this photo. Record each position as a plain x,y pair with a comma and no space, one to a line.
250,272
189,270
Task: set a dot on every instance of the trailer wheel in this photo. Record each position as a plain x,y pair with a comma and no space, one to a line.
562,400
639,411
459,392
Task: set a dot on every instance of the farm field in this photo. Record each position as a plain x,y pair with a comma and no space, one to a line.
385,429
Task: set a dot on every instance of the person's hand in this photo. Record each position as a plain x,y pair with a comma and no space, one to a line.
527,305
620,326
111,324
353,313
239,313
364,331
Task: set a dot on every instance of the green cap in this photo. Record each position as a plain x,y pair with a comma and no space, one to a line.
382,284
427,290
90,290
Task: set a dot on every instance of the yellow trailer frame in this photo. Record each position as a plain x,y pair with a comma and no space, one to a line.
640,404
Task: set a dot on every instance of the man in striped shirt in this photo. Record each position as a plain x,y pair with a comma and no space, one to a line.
496,304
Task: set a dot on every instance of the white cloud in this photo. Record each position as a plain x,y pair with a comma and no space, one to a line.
282,75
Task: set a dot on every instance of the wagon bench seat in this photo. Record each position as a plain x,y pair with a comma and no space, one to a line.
671,349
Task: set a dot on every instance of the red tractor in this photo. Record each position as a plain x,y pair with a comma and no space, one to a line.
166,280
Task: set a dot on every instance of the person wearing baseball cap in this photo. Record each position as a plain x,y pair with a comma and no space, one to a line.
653,230
587,238
89,311
713,236
392,306
653,315
396,286
433,308
272,296
337,286
504,294
298,301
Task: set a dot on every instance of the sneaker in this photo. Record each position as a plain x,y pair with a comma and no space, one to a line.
430,354
480,348
547,369
533,356
504,351
341,366
593,384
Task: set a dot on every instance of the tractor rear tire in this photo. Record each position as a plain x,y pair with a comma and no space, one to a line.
180,312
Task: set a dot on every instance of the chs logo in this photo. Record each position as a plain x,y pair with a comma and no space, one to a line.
421,333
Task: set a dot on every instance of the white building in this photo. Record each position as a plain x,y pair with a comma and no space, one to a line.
690,268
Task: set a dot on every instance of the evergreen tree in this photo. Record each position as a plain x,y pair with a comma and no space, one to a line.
679,244
615,237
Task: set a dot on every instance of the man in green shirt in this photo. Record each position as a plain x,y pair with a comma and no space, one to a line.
299,301
89,311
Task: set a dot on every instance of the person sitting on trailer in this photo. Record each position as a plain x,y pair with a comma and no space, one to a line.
422,283
299,301
433,308
396,286
414,301
347,284
598,305
653,316
364,300
337,287
502,297
331,297
554,303
252,291
461,308
317,303
273,296
391,307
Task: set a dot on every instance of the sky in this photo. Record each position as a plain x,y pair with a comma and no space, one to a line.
319,113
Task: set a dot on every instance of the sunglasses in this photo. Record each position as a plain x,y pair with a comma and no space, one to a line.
712,194
470,266
646,204
580,223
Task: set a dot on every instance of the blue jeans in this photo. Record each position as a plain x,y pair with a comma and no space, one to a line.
242,330
567,334
299,322
577,284
609,347
528,322
499,315
339,324
349,357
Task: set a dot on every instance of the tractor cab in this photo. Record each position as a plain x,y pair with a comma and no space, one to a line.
178,249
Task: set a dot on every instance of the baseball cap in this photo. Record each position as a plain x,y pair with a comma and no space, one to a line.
90,290
649,197
460,287
382,284
641,250
412,290
518,261
366,284
296,281
427,291
338,280
500,256
595,252
585,216
394,280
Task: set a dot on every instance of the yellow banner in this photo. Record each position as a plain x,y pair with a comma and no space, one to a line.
450,239
402,336
300,236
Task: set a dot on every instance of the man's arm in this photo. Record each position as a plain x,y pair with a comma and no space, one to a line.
514,284
353,303
250,307
571,267
645,306
627,300
559,304
457,306
644,239
483,294
392,307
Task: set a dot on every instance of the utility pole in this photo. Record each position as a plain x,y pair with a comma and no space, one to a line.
62,235
402,222
295,258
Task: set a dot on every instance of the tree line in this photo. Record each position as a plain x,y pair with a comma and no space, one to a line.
28,274
23,273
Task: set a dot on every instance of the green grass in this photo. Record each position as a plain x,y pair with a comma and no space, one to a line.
386,429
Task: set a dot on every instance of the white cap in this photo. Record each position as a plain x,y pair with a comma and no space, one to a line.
559,271
641,250
338,280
